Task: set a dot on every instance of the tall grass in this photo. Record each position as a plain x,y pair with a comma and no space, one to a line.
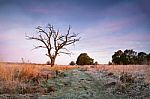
18,78
12,73
13,78
147,72
133,69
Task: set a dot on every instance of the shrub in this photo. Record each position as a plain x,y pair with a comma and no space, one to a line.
109,63
84,59
72,63
48,63
96,63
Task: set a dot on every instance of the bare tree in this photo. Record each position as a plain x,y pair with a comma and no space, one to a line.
54,42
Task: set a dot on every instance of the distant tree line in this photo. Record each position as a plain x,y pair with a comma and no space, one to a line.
126,57
130,57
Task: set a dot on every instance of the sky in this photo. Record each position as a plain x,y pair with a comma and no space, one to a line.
104,26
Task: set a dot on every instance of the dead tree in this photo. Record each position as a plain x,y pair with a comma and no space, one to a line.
54,42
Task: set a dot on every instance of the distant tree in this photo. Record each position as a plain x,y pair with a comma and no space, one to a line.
148,59
72,63
22,59
116,58
48,63
129,57
54,42
142,58
110,63
84,59
95,63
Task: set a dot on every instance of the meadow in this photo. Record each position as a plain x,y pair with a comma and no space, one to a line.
20,75
25,78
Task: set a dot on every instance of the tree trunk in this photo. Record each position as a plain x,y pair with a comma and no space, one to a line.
52,62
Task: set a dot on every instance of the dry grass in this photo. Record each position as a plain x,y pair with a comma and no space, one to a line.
147,72
29,69
13,71
133,69
10,72
18,76
63,67
13,77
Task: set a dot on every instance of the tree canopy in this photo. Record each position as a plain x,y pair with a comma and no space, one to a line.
129,57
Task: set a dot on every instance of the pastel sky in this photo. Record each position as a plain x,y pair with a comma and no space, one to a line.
105,26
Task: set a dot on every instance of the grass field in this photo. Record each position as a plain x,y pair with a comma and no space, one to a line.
133,69
34,78
9,70
19,76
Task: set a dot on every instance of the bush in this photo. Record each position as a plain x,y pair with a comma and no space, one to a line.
84,59
48,63
96,63
72,63
109,63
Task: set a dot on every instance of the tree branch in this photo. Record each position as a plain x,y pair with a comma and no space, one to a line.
36,47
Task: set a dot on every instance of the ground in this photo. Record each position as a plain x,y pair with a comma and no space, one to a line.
85,82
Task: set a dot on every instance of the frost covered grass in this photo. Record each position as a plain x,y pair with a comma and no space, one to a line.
73,82
131,69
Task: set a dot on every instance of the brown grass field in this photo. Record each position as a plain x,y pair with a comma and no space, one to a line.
9,70
132,69
17,74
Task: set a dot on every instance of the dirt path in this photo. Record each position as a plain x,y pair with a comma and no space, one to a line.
77,84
